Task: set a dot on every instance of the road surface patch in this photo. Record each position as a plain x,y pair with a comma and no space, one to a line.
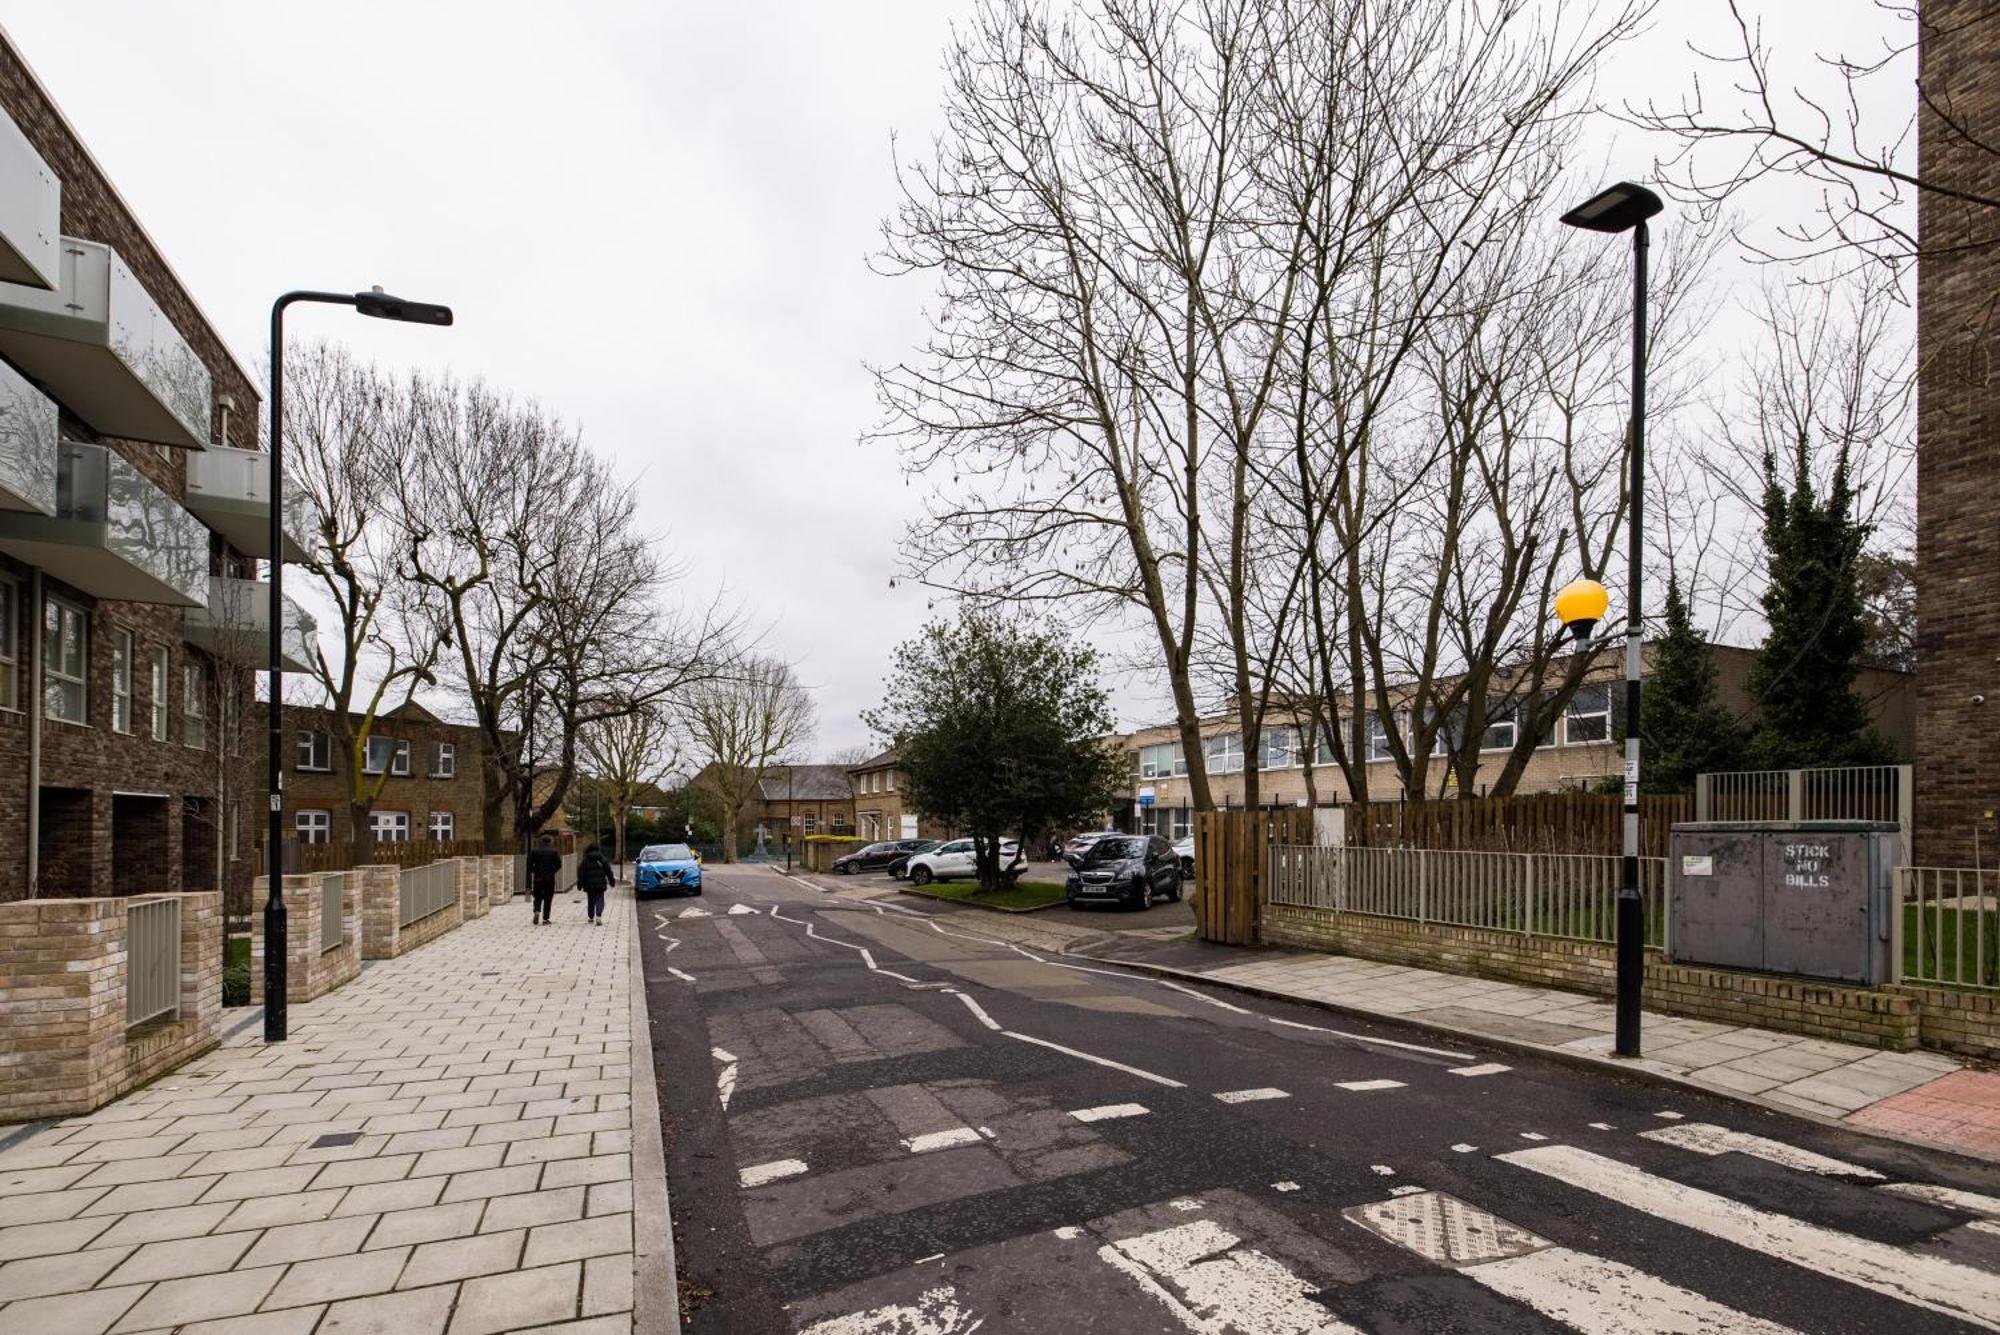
1706,1138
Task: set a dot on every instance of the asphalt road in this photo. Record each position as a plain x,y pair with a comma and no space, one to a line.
880,1121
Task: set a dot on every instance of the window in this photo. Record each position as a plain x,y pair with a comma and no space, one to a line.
1378,737
1501,733
390,827
1588,718
891,786
313,825
10,644
441,827
1277,748
121,681
1225,753
811,822
1162,761
315,751
1451,730
159,695
1323,748
376,759
399,761
444,761
194,719
65,661
1183,822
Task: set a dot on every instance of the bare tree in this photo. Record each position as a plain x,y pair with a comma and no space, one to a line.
738,726
630,755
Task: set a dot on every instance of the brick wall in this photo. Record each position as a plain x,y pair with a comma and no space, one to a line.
382,937
1880,1018
1967,1023
311,970
497,875
64,1045
1958,511
472,898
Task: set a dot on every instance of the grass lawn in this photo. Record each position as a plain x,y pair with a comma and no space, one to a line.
1020,895
1940,960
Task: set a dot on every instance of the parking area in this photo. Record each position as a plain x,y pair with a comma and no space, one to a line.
1178,916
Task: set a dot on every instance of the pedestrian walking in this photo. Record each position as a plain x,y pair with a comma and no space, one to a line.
544,865
594,876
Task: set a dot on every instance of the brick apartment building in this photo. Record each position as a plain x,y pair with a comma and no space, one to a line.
1958,511
1577,752
132,518
804,799
880,811
427,775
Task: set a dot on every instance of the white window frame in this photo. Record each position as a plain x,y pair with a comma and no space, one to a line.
122,648
10,643
313,825
1572,715
444,761
1510,725
313,752
161,672
1378,737
441,826
1162,760
1225,753
399,759
890,786
370,763
1270,755
55,673
390,827
194,705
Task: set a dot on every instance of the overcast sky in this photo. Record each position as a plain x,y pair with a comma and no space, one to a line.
653,217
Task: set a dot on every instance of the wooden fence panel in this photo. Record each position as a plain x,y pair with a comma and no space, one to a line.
1532,823
1232,864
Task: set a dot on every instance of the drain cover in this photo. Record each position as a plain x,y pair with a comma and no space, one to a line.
1445,1229
333,1138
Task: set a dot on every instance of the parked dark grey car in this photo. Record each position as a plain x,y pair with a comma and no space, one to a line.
1127,869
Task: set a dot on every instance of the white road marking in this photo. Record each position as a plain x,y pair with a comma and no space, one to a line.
1101,1061
926,1260
1484,1068
758,1174
1705,1138
1109,1112
1184,1204
1367,1086
1068,1232
684,977
1670,1115
941,1140
725,1081
737,910
1378,1042
978,1010
1985,1226
696,913
1533,1135
1284,1186
1200,996
1410,1190
721,1055
1381,1170
1213,1284
1602,1126
1582,1291
1927,1281
1971,1202
1464,1148
1251,1095
936,1312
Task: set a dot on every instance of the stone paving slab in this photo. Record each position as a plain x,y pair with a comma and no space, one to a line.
443,1147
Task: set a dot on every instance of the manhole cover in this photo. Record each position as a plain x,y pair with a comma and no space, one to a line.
1445,1229
333,1138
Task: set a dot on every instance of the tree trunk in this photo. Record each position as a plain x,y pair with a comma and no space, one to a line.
728,833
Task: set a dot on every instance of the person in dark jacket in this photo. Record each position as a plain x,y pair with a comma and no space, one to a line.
594,876
544,865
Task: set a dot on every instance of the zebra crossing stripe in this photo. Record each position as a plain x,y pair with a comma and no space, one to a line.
1969,1202
1109,1112
1368,1086
1706,1138
1925,1281
1584,1292
1484,1068
1251,1095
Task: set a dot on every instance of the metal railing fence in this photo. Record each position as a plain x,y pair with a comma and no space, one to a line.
1947,926
152,960
1564,895
1851,792
565,879
332,915
427,890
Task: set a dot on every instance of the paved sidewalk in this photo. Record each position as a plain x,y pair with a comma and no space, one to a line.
1929,1097
444,1145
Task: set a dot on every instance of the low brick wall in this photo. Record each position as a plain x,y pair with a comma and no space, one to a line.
64,1045
1967,1023
1879,1018
472,898
497,872
382,937
311,970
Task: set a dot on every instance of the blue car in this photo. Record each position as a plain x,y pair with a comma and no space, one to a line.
671,869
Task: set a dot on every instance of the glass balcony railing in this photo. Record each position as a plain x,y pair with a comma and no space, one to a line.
230,490
30,213
104,349
113,534
27,446
235,625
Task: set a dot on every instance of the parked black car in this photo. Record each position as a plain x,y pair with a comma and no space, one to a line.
1127,869
874,857
900,868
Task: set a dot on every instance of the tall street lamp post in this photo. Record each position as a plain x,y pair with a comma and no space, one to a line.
1624,208
381,306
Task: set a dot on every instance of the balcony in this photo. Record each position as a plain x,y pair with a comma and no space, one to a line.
235,625
27,446
102,348
113,534
230,491
30,213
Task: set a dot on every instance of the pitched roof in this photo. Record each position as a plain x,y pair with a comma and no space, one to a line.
882,761
806,783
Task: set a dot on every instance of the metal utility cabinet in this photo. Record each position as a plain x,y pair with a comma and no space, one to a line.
1812,898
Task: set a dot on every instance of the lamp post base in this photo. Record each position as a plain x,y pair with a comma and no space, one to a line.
274,969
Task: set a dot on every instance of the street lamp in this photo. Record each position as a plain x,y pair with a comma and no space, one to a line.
1624,208
381,306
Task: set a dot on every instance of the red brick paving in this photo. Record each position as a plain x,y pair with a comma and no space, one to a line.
1960,1110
